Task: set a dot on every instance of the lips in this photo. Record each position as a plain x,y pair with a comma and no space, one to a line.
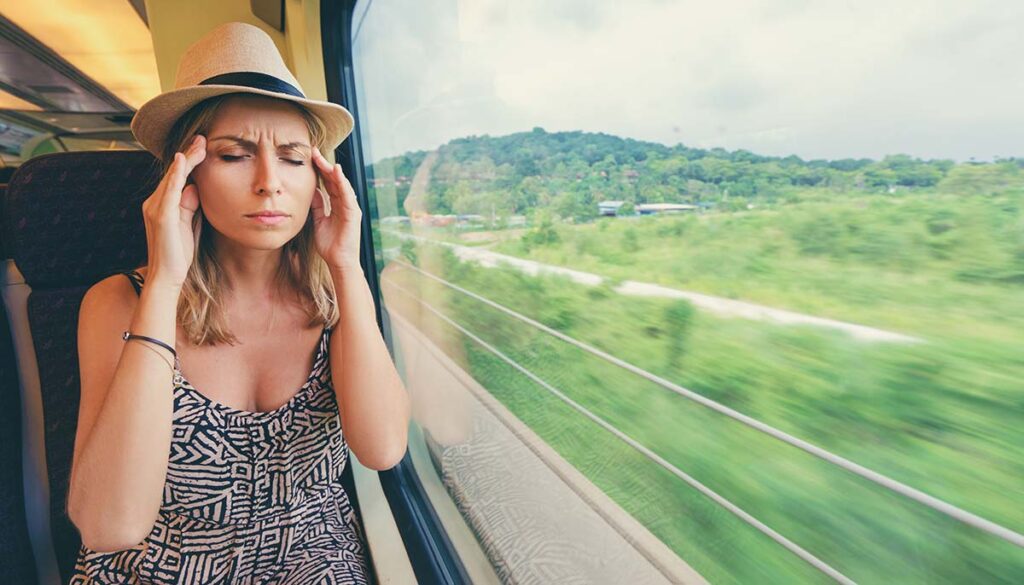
268,217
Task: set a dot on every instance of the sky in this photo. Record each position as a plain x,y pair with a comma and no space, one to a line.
819,79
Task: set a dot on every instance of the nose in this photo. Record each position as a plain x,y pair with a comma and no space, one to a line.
267,181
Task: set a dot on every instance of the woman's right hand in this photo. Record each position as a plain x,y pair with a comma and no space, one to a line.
168,214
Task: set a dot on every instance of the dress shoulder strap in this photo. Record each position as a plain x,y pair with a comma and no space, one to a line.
136,279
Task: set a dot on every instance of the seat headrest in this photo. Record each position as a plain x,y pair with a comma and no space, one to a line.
73,218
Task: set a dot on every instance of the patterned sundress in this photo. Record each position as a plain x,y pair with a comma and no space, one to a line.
250,497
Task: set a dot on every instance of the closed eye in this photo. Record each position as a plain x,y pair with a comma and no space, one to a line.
232,158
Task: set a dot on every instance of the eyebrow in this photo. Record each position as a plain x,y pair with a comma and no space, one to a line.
249,144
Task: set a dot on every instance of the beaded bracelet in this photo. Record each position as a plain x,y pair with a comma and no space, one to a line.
128,335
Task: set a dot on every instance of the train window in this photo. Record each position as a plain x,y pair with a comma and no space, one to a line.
686,291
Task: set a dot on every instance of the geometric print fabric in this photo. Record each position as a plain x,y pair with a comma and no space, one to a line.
250,497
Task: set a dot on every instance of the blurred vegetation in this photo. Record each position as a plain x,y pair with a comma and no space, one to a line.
940,417
929,263
931,249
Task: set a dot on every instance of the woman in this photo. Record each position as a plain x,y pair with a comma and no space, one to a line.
196,460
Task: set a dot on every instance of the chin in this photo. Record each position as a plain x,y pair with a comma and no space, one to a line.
271,239
267,241
258,237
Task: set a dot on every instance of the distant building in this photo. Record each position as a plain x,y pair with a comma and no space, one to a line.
609,207
433,220
662,208
387,181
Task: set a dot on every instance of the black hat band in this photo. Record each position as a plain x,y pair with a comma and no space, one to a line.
255,81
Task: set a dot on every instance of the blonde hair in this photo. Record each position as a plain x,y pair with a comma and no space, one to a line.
200,310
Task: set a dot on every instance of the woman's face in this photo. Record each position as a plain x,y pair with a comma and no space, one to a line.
257,160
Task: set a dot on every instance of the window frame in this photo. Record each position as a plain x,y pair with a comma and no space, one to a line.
431,553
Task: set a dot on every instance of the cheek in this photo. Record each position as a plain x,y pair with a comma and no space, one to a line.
213,179
302,181
220,184
213,196
302,187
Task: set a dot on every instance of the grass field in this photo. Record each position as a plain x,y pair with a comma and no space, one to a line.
943,416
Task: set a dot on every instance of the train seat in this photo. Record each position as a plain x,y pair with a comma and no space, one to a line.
16,559
71,219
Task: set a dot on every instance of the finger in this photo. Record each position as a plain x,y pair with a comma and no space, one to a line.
326,201
172,171
158,192
320,163
170,198
322,201
320,160
332,192
171,168
189,204
331,173
183,165
162,185
320,206
196,153
343,180
349,193
338,186
189,200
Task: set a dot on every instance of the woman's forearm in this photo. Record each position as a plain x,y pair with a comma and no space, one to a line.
373,402
118,480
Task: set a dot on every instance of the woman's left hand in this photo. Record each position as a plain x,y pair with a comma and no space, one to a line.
337,219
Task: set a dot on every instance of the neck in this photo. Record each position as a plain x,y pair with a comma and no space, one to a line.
251,274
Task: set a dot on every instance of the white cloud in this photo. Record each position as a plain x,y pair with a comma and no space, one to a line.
932,78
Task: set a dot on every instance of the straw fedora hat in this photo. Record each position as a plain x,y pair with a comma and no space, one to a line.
233,58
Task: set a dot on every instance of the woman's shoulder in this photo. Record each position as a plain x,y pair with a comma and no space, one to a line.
119,287
112,296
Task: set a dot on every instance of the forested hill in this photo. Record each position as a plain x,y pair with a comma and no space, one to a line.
570,172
